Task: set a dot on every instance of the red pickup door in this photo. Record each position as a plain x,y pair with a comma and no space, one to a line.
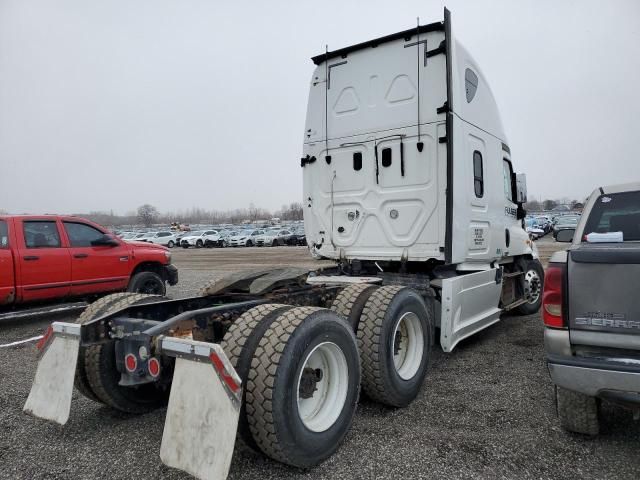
50,257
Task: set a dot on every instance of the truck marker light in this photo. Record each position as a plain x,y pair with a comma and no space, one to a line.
154,367
130,362
219,366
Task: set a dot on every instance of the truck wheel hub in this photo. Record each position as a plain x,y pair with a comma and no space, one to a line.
322,387
532,286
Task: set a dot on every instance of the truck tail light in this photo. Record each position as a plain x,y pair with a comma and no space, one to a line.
154,367
130,362
553,296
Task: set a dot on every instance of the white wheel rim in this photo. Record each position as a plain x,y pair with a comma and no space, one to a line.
408,345
532,286
321,411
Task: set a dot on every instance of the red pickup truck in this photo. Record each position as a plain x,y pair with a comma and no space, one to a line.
54,257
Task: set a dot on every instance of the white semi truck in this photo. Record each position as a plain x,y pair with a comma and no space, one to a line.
409,187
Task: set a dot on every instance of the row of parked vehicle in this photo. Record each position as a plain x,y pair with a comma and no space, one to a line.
540,225
224,237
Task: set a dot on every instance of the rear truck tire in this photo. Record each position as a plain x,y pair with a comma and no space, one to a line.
274,243
394,339
199,244
534,282
98,308
149,283
351,300
97,376
171,244
577,412
303,386
240,343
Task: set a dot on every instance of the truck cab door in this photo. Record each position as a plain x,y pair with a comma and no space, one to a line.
7,279
43,263
95,269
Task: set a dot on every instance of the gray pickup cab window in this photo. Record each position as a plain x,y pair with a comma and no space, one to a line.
616,212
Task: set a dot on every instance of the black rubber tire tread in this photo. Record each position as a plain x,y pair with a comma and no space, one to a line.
137,278
261,396
240,343
98,308
102,375
351,300
370,339
577,412
260,385
528,308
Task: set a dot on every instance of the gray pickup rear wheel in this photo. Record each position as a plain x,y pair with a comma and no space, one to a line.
577,412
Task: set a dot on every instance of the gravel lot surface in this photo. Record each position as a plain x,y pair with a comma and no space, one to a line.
485,411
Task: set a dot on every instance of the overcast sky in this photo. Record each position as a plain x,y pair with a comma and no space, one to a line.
105,105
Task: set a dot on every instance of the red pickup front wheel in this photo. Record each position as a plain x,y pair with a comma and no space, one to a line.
147,282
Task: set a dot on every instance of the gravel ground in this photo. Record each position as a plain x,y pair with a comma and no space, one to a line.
485,411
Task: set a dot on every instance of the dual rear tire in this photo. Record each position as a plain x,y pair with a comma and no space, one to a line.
394,326
97,376
302,367
301,374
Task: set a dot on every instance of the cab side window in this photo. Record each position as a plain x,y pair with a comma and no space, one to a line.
41,234
81,234
507,174
478,174
4,235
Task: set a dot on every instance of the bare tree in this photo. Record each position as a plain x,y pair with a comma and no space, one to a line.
147,214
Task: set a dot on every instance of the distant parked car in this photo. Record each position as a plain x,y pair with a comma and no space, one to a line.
567,222
245,238
221,241
137,237
534,230
166,238
298,237
273,237
197,239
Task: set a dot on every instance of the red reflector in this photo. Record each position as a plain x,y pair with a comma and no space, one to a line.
131,362
43,341
552,311
219,366
154,367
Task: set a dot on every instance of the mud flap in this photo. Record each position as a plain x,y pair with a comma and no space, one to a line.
50,396
204,406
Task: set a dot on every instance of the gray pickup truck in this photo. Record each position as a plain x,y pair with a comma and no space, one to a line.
591,310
